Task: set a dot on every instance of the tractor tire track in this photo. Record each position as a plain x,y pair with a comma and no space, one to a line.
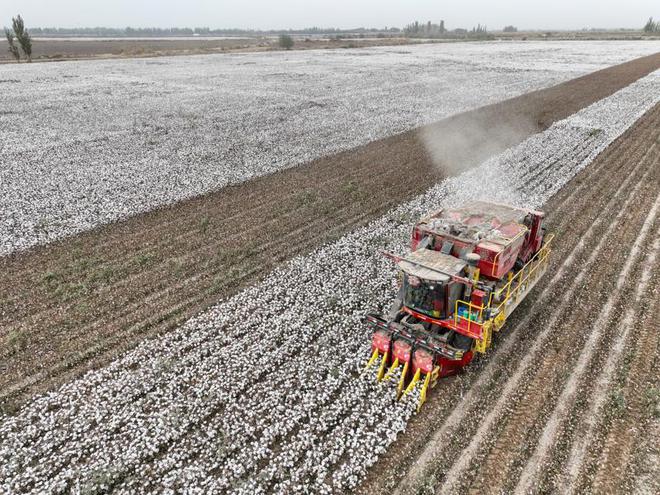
643,471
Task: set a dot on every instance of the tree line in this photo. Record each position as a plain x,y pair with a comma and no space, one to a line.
201,31
18,35
429,29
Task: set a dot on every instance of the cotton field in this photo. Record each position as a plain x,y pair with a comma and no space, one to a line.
83,144
262,393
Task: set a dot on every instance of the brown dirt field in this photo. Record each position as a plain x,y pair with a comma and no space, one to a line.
73,305
53,49
479,430
58,50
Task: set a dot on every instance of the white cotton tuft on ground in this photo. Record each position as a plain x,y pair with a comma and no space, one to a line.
87,143
262,393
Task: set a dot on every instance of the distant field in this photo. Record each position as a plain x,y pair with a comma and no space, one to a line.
59,49
74,48
85,137
216,223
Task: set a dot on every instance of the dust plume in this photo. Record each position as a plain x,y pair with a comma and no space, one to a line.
465,140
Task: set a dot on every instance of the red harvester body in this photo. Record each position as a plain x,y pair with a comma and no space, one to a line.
468,269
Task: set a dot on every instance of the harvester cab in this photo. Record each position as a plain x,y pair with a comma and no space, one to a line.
467,271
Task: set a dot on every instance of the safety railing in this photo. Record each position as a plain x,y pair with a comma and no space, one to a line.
473,313
467,311
518,282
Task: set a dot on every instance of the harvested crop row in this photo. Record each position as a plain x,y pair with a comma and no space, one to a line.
460,427
608,454
499,423
532,414
84,144
262,390
583,442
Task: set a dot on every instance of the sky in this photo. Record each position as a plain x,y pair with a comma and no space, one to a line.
283,14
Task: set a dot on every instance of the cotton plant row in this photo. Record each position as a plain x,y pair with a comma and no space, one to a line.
265,392
241,466
87,143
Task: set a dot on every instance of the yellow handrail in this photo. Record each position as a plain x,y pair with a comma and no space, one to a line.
512,287
470,306
528,271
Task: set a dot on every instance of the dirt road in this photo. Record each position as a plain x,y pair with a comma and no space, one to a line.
568,400
75,304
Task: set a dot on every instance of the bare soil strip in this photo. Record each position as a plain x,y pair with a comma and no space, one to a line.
75,304
488,422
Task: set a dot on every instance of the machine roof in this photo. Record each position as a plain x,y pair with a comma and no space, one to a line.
432,265
486,223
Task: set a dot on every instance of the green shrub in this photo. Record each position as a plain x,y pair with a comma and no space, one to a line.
286,41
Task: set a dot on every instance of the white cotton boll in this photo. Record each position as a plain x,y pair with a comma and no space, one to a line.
105,158
216,402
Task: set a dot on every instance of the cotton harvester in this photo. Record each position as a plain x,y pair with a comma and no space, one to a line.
468,269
